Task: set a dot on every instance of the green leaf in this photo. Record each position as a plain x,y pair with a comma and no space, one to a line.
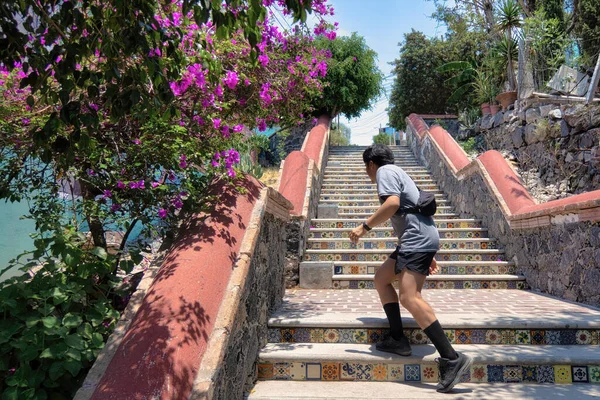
72,321
50,322
58,296
97,340
127,266
99,252
75,341
56,370
85,330
74,354
73,367
29,354
11,393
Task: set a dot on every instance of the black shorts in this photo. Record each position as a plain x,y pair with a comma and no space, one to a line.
414,261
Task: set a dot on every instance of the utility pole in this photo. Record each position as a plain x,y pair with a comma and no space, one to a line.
594,84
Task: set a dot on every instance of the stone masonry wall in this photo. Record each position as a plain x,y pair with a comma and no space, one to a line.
262,294
556,148
562,260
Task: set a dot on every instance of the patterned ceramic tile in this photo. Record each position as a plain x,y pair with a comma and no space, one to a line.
331,371
463,336
364,372
479,373
523,337
478,336
412,372
298,371
580,374
567,337
347,371
562,374
396,372
313,371
450,334
282,371
316,335
545,374
360,336
429,373
493,336
380,372
265,371
419,337
529,373
273,335
302,335
538,337
552,337
287,335
331,336
495,373
583,337
594,373
512,373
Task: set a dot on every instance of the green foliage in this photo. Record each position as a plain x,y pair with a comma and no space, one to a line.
468,117
588,29
338,138
425,83
382,138
509,21
549,43
469,145
353,80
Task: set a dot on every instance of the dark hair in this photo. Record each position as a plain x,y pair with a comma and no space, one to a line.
380,154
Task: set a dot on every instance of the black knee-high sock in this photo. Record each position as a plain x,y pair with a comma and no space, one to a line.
440,340
392,310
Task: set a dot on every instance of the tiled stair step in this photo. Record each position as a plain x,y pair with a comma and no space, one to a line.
365,197
445,233
403,165
316,390
391,243
331,191
446,267
520,333
358,170
370,186
419,179
382,255
372,203
441,221
491,363
370,209
496,282
446,213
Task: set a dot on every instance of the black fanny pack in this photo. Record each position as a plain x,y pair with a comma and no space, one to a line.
426,205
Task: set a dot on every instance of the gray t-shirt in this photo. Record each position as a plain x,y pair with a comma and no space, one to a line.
416,232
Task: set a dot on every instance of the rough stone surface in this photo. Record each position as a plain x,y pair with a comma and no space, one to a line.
563,160
278,150
532,115
562,260
261,295
555,114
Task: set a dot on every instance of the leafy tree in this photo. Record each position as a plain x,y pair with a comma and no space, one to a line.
340,135
353,80
382,138
142,103
587,26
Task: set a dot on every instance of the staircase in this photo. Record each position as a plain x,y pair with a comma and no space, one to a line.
321,341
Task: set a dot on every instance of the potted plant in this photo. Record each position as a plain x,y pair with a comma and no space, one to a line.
482,86
509,20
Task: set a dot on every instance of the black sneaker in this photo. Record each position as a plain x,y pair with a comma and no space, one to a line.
452,370
390,345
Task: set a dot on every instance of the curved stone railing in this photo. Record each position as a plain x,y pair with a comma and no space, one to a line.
555,244
300,180
194,329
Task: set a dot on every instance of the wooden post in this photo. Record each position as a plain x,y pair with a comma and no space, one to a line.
594,84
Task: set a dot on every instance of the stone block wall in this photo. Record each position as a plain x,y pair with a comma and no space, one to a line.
562,259
556,147
260,296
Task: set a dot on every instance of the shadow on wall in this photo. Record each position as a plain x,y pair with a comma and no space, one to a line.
160,353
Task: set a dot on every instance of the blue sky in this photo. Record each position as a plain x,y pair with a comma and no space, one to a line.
383,24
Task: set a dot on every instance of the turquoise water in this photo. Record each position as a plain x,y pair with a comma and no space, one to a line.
14,235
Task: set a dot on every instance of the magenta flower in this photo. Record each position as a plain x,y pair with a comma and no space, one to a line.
263,59
217,123
162,213
93,107
182,161
331,35
177,203
137,141
120,185
238,128
214,163
107,194
231,80
26,121
91,172
115,207
155,184
231,173
262,125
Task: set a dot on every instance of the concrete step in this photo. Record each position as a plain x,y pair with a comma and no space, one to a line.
382,255
445,233
391,243
332,191
302,390
483,282
491,363
363,175
441,221
337,180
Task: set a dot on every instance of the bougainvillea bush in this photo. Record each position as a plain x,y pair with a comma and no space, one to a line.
132,109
